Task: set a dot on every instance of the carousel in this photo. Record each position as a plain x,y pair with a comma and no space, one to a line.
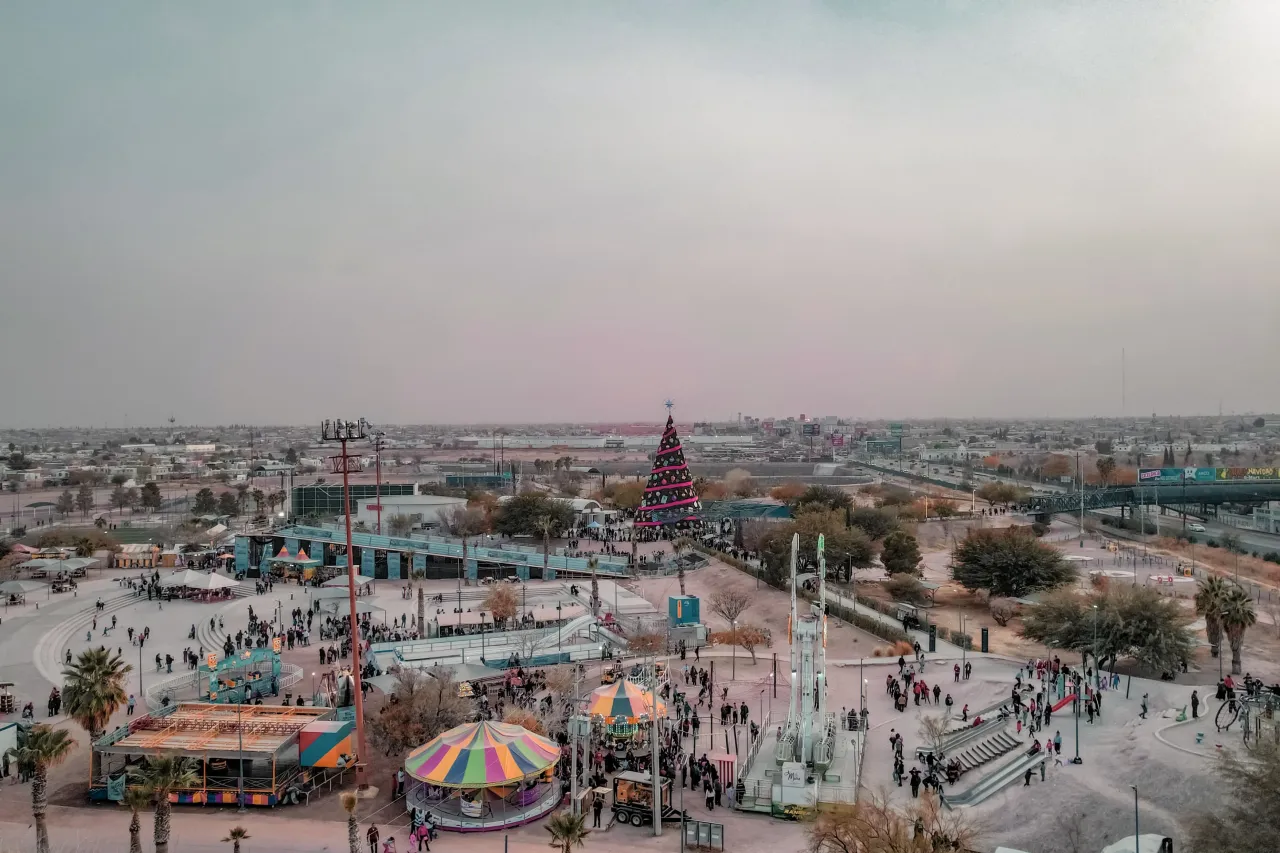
622,706
483,776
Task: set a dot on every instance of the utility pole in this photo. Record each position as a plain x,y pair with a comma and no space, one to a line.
656,774
1080,481
344,432
377,467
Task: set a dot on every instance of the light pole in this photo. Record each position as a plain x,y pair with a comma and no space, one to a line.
558,627
1136,842
963,645
344,432
240,736
1076,708
734,675
1097,663
1080,482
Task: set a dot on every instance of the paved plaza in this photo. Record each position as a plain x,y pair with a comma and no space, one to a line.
1164,760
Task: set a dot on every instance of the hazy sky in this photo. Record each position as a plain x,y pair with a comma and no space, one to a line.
435,212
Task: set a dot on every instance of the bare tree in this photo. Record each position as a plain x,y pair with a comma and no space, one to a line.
730,603
421,706
1070,831
463,522
932,731
874,825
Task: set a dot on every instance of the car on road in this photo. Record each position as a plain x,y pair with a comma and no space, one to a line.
1196,528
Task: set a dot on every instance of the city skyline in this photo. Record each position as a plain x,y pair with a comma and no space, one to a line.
461,214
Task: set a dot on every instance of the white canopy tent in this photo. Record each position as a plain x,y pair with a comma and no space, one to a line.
344,581
21,589
192,579
342,606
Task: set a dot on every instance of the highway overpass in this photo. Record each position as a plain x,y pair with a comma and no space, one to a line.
1172,495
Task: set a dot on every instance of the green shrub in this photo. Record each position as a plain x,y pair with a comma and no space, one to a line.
964,641
943,633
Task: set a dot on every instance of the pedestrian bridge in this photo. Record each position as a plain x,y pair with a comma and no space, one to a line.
1174,494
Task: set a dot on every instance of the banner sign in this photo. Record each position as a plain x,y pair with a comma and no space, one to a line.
837,440
811,429
1169,476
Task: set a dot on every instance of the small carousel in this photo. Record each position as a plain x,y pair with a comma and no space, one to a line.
484,776
621,707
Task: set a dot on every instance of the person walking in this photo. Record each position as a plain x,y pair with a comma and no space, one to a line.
597,806
130,705
915,782
1026,778
1195,704
1057,743
372,836
1143,714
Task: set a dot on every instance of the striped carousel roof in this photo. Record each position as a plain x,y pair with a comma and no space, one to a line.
481,755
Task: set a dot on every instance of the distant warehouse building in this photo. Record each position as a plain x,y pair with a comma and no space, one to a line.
422,510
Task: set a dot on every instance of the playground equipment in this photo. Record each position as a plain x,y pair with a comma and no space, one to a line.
1258,717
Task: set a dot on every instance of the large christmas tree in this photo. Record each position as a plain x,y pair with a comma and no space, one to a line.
669,497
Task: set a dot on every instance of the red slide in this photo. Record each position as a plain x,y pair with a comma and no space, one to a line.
1063,701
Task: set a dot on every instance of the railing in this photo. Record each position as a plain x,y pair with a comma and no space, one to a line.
753,749
189,682
838,794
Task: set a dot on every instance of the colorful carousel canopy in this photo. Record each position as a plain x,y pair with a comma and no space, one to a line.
481,755
622,699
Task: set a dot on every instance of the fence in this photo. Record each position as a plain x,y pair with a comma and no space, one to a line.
836,606
186,687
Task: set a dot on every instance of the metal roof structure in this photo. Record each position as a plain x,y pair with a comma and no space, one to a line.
208,729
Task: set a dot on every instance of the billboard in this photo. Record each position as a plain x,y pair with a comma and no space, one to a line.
811,429
895,429
1169,476
837,440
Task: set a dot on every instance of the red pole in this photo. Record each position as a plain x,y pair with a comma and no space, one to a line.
361,781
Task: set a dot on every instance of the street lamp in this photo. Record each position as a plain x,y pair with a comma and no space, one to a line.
1076,708
734,675
1136,842
1097,664
240,736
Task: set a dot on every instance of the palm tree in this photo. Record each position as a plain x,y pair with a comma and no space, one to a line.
163,775
545,524
235,836
45,747
567,831
677,545
1210,594
136,799
95,689
349,803
1237,616
593,563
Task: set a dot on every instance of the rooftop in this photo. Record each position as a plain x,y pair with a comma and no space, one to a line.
201,729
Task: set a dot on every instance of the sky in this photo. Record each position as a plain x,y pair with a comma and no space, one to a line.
412,212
